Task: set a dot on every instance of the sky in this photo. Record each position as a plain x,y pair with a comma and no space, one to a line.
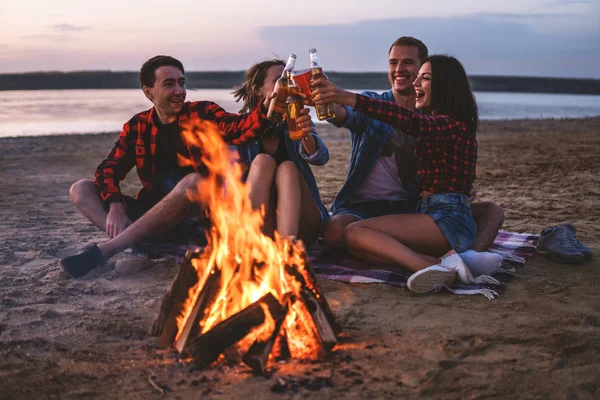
559,38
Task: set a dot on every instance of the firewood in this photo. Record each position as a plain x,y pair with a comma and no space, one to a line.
206,348
208,291
165,324
306,276
324,329
257,356
281,348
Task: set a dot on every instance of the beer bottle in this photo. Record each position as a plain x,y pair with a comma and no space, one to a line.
277,107
324,111
294,105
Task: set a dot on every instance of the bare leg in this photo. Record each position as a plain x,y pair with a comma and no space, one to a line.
489,218
333,230
398,240
260,180
86,197
260,183
289,207
157,220
310,216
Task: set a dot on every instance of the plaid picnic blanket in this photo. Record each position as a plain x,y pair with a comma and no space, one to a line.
514,247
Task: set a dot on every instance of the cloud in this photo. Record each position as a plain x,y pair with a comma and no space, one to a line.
58,33
50,37
485,43
70,28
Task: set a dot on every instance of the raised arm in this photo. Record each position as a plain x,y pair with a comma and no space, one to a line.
407,120
235,128
388,112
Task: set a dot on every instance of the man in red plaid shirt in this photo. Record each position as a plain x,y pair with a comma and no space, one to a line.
152,142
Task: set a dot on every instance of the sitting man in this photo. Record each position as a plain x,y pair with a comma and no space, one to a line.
381,173
152,141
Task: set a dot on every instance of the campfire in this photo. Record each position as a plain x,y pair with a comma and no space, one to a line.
244,295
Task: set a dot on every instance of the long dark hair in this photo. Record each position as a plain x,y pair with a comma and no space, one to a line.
450,90
255,78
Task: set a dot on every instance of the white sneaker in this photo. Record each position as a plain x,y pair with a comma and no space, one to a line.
464,273
431,278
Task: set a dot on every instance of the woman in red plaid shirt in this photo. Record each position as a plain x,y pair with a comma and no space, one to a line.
446,153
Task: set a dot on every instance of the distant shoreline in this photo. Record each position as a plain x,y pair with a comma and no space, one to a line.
486,125
229,79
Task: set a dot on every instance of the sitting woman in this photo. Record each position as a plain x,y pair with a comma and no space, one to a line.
279,176
446,153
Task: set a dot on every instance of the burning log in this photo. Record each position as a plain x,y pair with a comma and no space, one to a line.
281,348
257,356
306,276
192,327
324,328
165,324
206,348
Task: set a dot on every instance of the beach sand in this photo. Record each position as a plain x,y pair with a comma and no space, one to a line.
88,338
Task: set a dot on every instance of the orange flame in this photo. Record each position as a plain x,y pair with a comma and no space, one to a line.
250,263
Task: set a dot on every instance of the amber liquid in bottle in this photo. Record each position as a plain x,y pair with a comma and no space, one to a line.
294,105
277,106
324,111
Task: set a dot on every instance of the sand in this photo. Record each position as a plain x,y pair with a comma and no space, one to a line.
88,338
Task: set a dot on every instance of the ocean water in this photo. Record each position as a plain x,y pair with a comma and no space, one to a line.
47,112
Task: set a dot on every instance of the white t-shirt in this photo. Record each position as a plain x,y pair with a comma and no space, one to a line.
382,183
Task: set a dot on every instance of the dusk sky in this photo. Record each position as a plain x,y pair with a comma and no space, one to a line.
511,37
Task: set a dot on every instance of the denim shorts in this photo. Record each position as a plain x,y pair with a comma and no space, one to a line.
376,208
452,214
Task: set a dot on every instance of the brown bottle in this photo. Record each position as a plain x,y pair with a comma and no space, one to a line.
277,107
294,105
324,111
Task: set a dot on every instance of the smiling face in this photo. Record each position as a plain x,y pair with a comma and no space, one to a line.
422,87
168,93
403,67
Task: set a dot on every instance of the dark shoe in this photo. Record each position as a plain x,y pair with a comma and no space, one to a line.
585,250
80,264
556,245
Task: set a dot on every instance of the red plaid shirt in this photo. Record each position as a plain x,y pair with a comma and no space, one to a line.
446,149
136,145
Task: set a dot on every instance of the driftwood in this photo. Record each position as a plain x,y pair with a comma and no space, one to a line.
206,348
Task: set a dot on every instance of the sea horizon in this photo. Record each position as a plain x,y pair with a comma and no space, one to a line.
378,80
89,111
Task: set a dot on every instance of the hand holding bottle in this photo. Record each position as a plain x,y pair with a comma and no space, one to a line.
325,91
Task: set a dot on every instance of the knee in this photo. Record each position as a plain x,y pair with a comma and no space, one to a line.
79,190
262,169
333,233
489,213
351,234
189,182
287,172
264,163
